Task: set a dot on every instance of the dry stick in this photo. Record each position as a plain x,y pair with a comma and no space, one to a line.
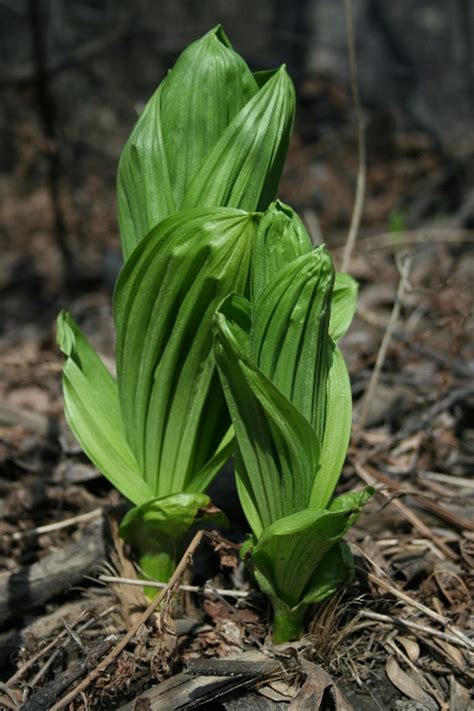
362,146
48,528
120,646
41,652
410,515
69,630
424,629
183,588
445,621
374,379
57,641
411,238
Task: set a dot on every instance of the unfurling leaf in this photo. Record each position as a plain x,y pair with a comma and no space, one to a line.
209,136
173,408
93,412
343,305
278,450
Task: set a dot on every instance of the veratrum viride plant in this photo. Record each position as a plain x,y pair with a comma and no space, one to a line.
289,395
206,153
227,322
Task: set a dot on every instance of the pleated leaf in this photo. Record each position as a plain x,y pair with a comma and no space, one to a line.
205,90
244,167
183,120
288,553
144,191
93,412
337,430
343,305
281,238
173,410
278,450
289,339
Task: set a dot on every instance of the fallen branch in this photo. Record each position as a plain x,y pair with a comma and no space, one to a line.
33,585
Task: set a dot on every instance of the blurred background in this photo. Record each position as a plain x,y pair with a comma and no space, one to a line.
75,74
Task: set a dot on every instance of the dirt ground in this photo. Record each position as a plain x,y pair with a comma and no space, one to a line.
400,636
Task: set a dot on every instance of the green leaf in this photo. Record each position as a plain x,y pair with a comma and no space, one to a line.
156,529
205,90
289,551
289,339
92,410
337,430
144,191
171,516
335,570
174,412
183,120
343,305
244,167
278,450
281,238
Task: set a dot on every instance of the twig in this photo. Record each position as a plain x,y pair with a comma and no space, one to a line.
41,652
410,515
183,588
48,528
447,479
120,646
425,629
381,355
441,619
410,238
362,146
57,640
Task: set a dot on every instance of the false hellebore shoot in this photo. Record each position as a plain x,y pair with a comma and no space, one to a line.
226,328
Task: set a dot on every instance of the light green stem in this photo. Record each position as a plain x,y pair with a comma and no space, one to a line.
158,559
287,624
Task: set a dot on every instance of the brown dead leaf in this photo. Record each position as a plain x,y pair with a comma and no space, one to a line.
407,685
459,697
218,610
411,647
318,687
131,598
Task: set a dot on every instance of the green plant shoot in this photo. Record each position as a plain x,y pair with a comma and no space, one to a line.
212,138
289,396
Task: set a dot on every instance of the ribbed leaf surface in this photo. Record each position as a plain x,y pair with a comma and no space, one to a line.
205,90
278,450
288,553
281,238
343,305
289,339
244,167
181,123
337,430
174,412
92,410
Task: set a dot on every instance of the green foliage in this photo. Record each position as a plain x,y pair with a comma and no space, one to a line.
209,136
289,396
208,252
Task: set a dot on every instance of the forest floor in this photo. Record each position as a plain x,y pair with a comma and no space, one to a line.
401,635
